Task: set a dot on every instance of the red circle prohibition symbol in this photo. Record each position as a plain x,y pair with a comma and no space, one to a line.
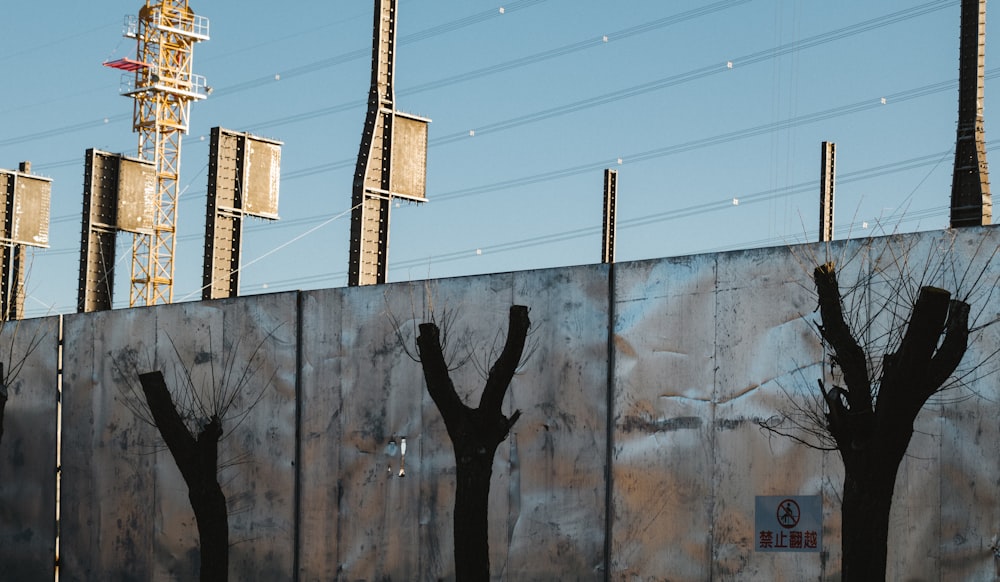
788,513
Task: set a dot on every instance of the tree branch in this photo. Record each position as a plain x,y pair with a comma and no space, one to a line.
904,373
506,365
439,383
196,458
836,418
952,349
849,355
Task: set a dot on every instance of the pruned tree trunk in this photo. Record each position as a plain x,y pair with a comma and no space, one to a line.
475,435
873,435
197,459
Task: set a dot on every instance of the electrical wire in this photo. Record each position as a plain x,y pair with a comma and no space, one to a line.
868,173
220,92
362,53
698,73
279,247
628,92
676,214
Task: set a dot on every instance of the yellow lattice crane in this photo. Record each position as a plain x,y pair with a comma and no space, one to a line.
161,82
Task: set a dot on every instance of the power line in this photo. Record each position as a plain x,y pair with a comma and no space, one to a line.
362,53
675,214
628,92
719,139
295,72
679,148
699,73
574,47
508,65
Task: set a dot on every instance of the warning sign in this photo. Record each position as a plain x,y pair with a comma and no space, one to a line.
788,523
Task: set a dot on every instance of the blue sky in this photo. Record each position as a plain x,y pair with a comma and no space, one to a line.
552,103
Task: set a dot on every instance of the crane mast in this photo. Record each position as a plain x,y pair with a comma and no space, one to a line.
161,83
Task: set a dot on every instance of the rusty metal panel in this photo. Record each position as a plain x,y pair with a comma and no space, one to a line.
245,172
136,194
763,355
408,177
969,432
753,357
664,383
704,348
257,452
119,193
243,177
28,449
322,364
263,177
125,485
108,454
558,479
362,395
26,213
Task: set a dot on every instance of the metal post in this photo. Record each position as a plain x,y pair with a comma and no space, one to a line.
610,201
971,204
370,211
827,179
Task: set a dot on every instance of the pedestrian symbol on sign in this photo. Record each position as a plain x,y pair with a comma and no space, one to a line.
788,513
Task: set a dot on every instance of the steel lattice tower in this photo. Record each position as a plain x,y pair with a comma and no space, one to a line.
163,88
971,204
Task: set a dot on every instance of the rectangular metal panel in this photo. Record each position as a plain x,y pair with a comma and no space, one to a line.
136,194
323,362
262,177
763,356
108,454
704,348
408,177
558,479
664,385
126,510
29,220
243,177
547,492
28,449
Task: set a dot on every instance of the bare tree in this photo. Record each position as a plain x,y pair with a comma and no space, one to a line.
899,342
191,421
475,435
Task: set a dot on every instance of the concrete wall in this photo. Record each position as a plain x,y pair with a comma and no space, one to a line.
638,455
